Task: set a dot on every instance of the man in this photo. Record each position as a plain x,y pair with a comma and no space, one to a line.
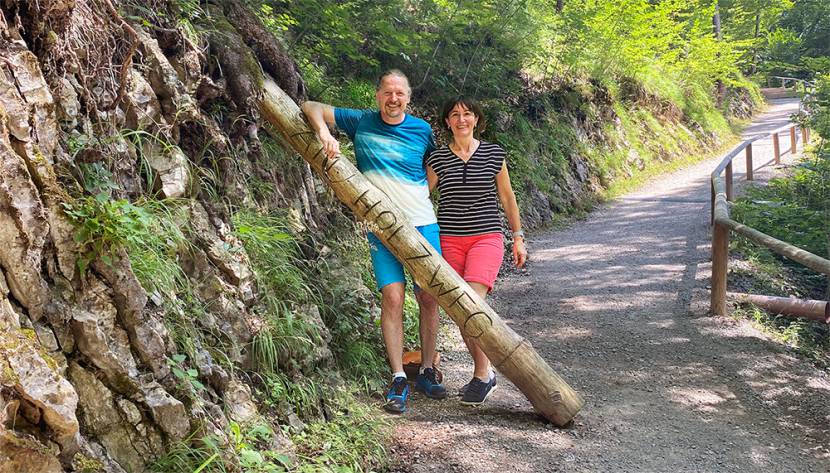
390,146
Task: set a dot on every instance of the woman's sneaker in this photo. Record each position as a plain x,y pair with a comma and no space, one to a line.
397,396
427,383
478,391
463,389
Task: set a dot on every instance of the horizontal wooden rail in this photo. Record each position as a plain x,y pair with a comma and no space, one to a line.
721,188
816,263
784,79
807,309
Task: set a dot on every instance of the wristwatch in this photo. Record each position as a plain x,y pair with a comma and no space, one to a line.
519,234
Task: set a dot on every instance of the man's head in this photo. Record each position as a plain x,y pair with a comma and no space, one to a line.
392,96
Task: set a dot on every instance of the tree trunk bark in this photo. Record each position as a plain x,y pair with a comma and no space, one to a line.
721,88
511,354
754,66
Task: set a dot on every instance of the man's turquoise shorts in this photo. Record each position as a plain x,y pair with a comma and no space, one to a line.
388,269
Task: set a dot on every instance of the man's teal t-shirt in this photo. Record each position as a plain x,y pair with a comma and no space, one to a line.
392,158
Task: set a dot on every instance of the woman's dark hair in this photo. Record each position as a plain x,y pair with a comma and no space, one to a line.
469,104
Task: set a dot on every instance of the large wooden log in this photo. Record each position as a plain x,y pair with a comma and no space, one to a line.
512,355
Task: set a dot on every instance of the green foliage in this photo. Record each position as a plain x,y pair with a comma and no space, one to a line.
147,229
808,19
192,455
273,254
246,451
302,394
285,336
817,117
810,339
188,378
789,209
351,441
250,446
795,209
356,340
105,225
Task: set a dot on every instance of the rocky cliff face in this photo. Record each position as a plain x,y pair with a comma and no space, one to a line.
85,352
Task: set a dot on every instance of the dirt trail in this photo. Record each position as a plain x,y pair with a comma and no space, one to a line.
617,304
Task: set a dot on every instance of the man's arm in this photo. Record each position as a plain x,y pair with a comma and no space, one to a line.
320,115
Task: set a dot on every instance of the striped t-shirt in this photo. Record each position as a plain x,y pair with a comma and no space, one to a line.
468,201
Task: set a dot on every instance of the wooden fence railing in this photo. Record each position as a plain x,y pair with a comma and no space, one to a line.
722,193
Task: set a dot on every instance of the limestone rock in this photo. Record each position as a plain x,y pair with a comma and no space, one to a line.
101,339
143,109
106,421
68,105
20,453
171,92
34,378
147,333
168,412
93,458
217,377
233,265
241,407
171,165
23,226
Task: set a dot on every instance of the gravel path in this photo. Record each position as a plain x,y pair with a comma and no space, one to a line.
617,305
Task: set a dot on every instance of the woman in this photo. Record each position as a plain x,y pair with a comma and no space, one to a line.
472,178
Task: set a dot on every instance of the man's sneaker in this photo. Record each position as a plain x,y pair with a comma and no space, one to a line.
397,395
429,385
478,391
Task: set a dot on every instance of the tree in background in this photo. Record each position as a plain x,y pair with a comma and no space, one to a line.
817,105
779,37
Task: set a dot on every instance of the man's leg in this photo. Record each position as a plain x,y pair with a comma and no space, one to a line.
428,326
391,323
391,283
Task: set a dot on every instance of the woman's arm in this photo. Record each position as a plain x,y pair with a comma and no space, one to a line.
511,211
432,178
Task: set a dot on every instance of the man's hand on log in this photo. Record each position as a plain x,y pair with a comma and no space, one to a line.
331,147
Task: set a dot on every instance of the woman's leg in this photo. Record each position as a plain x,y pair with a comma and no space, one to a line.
482,363
484,257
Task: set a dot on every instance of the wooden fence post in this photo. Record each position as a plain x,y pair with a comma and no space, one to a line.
749,162
729,195
720,259
805,136
712,204
776,149
792,140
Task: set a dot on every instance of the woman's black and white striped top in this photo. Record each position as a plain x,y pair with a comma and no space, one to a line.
468,201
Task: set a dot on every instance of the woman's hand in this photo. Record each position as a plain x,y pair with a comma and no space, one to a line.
519,252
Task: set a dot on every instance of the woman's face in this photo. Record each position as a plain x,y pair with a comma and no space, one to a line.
461,121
